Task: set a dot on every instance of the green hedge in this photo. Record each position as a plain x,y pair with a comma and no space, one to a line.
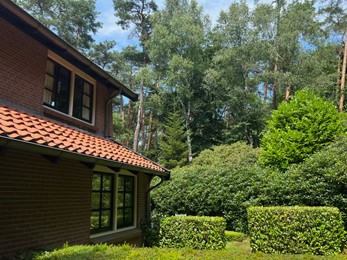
192,232
234,236
296,230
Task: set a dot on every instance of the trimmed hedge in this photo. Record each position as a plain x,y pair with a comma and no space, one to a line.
296,230
192,232
234,236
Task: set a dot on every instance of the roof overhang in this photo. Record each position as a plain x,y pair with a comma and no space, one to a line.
29,25
15,144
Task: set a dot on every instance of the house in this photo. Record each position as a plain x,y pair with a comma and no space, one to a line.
61,178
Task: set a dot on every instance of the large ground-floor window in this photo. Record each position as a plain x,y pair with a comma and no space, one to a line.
113,202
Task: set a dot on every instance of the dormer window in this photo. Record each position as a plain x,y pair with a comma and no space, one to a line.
68,90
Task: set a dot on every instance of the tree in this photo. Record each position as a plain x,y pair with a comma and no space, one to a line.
137,13
173,147
177,50
299,128
231,73
73,20
103,54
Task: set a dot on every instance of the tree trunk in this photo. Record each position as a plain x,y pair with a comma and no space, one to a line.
189,143
143,130
150,131
287,93
274,86
122,114
343,77
265,96
338,82
138,122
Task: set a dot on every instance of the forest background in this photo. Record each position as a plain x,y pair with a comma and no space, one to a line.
204,83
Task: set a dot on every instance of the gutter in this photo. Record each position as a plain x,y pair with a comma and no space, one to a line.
65,49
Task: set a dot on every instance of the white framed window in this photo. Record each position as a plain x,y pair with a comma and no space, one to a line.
113,204
69,90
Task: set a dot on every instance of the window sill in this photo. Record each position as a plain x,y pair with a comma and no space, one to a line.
49,112
116,237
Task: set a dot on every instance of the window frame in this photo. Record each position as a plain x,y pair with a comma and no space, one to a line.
102,169
74,72
102,209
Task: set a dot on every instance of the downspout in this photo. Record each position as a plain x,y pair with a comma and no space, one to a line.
107,116
148,211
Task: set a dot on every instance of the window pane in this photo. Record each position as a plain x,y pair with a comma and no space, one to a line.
49,82
120,200
120,183
50,67
106,218
95,200
48,97
128,221
119,218
106,200
63,89
87,88
86,101
129,184
94,220
78,96
128,200
107,183
96,181
86,114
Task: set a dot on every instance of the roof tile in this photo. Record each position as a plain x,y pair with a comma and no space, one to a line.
34,129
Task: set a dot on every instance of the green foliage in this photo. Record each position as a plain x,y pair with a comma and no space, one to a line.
192,232
233,251
211,191
67,18
321,180
296,230
173,146
234,236
235,154
299,128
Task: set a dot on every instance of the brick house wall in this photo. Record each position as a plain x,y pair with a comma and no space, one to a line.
22,78
42,203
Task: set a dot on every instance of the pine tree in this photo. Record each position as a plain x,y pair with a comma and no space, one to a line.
173,146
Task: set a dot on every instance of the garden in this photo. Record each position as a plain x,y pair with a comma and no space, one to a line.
285,200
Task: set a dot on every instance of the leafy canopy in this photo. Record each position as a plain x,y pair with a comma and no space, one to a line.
299,128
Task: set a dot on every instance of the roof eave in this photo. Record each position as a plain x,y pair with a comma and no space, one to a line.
15,144
51,40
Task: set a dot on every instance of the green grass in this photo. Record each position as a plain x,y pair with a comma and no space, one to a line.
234,250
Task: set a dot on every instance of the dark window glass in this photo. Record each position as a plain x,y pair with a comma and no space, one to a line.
125,201
83,99
57,87
102,212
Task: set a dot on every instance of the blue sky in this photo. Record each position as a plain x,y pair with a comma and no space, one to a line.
111,31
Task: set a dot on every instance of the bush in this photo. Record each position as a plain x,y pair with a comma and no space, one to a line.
234,236
192,232
211,191
299,128
221,182
296,230
320,180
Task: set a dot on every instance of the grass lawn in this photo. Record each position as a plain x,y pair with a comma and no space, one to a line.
234,250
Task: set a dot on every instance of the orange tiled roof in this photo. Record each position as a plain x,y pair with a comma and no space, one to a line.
18,125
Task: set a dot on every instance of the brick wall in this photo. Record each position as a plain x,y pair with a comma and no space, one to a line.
22,78
42,203
22,67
